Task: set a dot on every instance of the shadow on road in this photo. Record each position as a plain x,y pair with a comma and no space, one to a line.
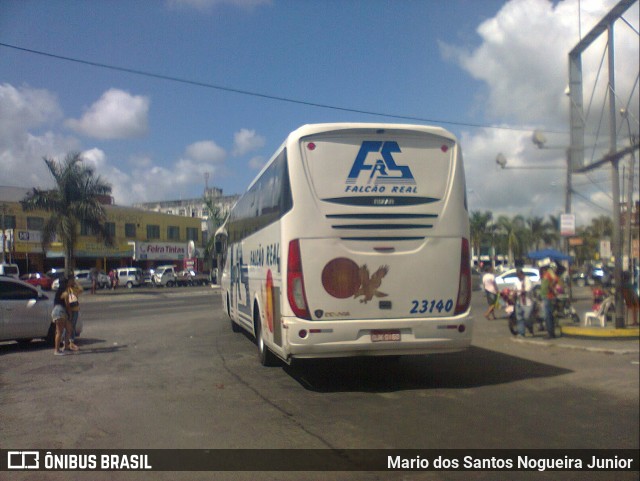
474,367
84,344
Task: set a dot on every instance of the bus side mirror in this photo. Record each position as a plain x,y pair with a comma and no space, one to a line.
217,247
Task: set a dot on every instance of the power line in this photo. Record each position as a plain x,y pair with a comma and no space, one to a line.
589,201
197,83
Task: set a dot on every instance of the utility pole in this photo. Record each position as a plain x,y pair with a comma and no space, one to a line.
615,190
4,211
577,124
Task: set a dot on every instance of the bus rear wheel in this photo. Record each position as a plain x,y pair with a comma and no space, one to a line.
267,358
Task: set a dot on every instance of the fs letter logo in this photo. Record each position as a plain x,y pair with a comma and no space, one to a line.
382,170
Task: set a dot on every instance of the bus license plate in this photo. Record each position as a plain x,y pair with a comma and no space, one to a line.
385,336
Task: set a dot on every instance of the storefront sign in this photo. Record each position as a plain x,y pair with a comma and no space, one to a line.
156,251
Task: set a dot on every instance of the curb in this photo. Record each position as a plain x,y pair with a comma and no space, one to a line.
600,332
608,349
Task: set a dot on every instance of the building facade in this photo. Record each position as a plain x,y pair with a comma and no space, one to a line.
196,208
142,238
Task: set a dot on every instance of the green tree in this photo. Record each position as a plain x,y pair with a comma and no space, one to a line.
480,230
511,232
76,199
538,230
216,219
552,236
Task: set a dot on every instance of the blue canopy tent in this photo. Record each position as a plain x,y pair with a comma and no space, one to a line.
552,254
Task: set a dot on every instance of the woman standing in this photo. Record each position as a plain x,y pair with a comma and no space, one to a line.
70,296
61,319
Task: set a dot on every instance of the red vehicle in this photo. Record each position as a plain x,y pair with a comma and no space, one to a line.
38,279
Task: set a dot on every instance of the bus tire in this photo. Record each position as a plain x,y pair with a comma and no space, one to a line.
267,358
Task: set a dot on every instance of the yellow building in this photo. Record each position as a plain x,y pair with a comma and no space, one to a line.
170,239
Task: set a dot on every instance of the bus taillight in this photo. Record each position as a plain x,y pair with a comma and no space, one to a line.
295,282
464,288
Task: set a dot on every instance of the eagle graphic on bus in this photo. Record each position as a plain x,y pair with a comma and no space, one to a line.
369,284
343,278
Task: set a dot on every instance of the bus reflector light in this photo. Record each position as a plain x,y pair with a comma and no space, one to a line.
464,286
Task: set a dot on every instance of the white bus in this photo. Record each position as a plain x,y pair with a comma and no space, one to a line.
352,241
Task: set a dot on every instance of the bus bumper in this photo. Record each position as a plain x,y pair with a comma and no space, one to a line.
389,337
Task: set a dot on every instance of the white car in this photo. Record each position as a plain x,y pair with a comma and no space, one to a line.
25,312
508,278
165,276
83,278
129,277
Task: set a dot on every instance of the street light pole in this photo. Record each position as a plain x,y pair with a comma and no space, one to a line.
4,210
615,190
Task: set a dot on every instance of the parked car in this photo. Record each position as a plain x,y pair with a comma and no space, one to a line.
129,277
83,278
9,270
25,312
508,278
592,275
189,277
38,279
165,276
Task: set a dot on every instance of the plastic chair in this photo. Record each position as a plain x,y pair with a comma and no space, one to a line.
600,316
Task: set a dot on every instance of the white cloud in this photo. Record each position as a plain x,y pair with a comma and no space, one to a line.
26,114
206,151
522,60
25,111
257,162
245,141
116,115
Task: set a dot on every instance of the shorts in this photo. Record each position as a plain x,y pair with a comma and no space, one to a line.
491,297
58,312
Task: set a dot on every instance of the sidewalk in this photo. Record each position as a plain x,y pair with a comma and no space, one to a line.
606,340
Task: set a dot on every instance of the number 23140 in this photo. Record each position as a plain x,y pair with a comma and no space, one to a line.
427,306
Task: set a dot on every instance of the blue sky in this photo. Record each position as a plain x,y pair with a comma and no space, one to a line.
469,66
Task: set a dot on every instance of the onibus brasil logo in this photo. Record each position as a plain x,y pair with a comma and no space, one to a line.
375,162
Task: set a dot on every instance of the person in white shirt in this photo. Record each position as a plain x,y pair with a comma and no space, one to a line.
490,291
524,303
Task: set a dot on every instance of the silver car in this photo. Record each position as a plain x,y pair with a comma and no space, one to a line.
25,312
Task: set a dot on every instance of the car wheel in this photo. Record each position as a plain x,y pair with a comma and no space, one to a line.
170,284
267,358
129,285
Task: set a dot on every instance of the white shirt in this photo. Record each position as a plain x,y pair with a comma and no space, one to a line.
523,291
489,283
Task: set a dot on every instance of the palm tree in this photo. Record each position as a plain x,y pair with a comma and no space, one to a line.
512,230
215,220
479,224
552,236
74,200
538,229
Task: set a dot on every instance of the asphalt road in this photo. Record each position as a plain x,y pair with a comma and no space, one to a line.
162,369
